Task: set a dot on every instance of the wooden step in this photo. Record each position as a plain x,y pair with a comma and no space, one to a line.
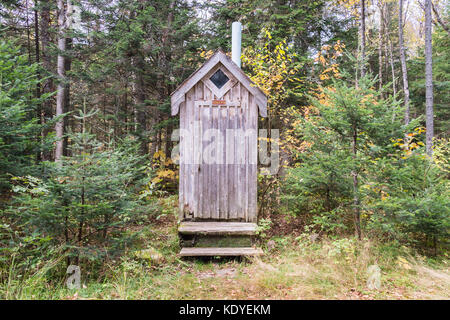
218,228
213,252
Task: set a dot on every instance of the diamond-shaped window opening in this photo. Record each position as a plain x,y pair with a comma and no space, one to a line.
219,78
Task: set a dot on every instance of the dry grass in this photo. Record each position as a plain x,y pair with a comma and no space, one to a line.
325,270
292,269
302,270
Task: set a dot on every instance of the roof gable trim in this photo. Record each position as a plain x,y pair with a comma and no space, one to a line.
178,96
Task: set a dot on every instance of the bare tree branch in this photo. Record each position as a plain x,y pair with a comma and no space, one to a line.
438,18
438,21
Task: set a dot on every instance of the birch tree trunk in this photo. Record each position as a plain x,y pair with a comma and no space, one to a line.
61,88
390,51
403,60
428,80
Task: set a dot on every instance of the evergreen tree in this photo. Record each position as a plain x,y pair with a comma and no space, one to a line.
84,201
19,126
347,128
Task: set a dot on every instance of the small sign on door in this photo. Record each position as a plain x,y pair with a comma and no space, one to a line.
218,102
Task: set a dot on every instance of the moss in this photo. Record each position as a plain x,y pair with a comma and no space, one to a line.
216,241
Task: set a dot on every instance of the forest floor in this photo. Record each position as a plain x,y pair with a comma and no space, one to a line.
294,267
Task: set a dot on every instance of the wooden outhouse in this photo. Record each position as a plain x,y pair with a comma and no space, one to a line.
219,108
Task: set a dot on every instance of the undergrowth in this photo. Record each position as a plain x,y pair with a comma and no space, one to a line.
292,268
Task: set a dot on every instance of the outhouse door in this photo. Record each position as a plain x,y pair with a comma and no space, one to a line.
218,155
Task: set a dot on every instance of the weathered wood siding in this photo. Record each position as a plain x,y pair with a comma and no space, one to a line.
220,190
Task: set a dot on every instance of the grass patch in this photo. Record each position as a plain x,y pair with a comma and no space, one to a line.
295,268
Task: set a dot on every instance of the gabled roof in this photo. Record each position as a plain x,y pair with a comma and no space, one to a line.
178,96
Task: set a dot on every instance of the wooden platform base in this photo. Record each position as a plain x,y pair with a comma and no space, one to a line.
217,228
213,252
211,239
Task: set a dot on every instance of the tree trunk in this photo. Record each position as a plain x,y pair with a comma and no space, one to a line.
38,54
391,54
38,73
67,68
141,116
47,85
168,87
28,32
168,142
380,46
403,60
356,212
428,80
60,97
363,38
391,59
124,106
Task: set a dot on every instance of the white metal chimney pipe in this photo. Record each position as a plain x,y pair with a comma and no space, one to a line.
236,28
